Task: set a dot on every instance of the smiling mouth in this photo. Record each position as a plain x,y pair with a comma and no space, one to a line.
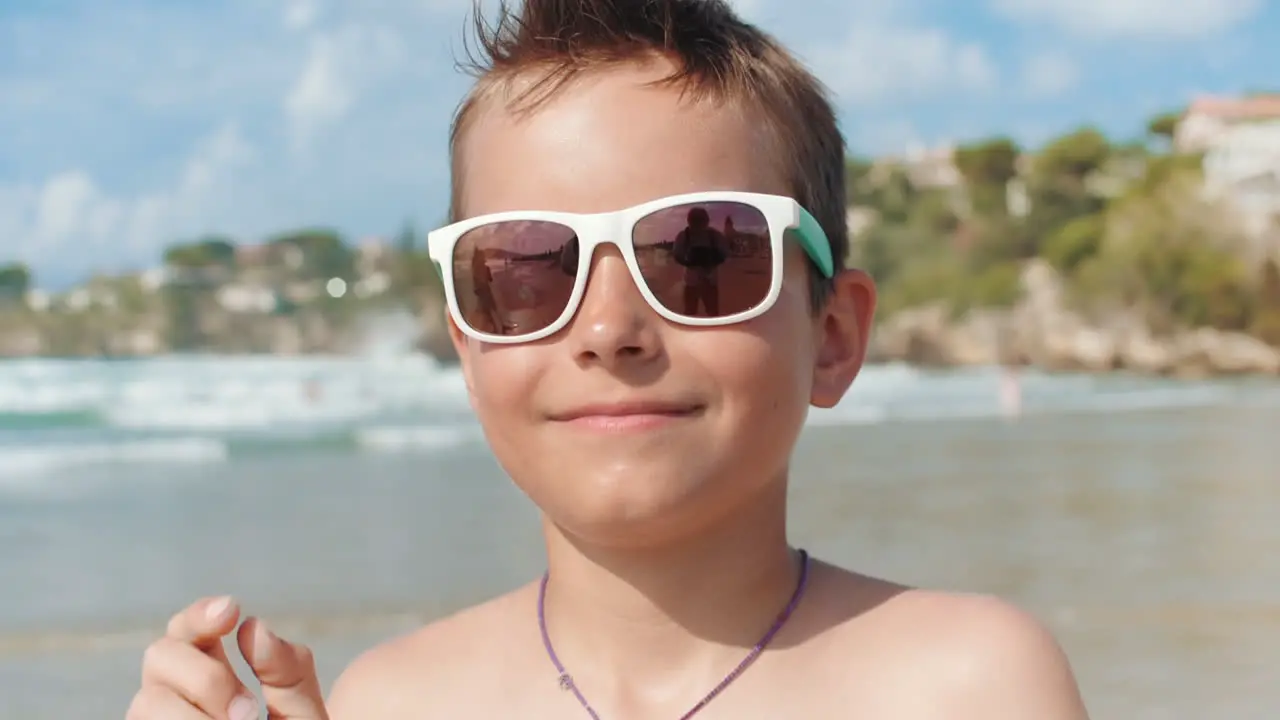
626,417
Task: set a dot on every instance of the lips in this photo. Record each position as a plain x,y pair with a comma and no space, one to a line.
628,409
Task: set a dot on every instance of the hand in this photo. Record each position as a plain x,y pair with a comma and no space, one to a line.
186,674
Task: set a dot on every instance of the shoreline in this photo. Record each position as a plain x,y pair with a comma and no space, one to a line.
914,339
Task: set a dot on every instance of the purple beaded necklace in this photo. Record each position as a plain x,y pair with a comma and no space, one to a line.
566,680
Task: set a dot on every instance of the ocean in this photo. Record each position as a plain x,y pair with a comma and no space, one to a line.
348,499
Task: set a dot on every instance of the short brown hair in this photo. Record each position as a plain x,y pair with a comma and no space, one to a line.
717,55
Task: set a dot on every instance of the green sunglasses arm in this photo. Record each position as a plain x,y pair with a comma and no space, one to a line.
814,241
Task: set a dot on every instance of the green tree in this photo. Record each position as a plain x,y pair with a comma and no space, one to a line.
207,253
407,240
857,181
15,281
995,286
1266,320
324,253
1075,243
1171,254
892,196
920,281
880,252
1073,157
1058,188
988,167
999,240
933,214
1162,169
1164,125
989,162
1209,289
183,329
201,265
414,277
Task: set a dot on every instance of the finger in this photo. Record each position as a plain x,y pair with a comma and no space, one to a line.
203,681
287,673
204,623
157,703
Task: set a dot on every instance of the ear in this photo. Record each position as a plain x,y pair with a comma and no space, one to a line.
460,347
841,333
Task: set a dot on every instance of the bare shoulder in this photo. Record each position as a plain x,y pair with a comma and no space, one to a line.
440,668
976,655
992,658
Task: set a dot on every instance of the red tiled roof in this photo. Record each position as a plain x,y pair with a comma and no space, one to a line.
1249,108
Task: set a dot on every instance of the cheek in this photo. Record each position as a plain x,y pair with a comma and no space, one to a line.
764,399
753,369
765,370
501,382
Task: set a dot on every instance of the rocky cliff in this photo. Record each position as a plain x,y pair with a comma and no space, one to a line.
1042,330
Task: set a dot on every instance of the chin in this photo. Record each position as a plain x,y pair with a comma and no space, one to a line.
627,506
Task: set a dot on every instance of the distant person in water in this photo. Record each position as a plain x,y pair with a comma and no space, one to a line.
1011,390
701,249
656,445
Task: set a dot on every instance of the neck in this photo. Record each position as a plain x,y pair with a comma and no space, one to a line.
670,616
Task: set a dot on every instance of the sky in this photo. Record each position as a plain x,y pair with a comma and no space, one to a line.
128,125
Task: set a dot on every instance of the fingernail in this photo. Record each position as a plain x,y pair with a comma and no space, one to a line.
217,608
264,641
243,708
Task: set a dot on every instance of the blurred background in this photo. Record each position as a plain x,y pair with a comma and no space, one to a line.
224,372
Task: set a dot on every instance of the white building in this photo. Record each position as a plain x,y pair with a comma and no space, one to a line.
932,167
247,299
1240,139
1209,120
153,279
38,300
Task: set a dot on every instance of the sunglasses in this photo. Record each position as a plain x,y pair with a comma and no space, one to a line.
702,259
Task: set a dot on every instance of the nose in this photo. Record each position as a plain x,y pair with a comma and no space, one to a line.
614,326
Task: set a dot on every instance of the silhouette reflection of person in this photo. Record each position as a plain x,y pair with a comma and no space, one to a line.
569,257
701,249
486,303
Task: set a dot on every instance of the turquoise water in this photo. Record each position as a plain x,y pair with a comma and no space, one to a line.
348,499
56,415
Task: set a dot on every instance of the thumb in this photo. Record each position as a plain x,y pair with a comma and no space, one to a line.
287,673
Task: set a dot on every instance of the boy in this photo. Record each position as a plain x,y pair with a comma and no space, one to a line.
655,442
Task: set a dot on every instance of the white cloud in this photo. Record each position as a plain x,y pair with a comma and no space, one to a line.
219,154
70,213
340,65
64,205
300,14
1147,19
1050,74
321,94
891,62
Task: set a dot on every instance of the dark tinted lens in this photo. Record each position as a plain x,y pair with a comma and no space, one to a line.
706,260
514,277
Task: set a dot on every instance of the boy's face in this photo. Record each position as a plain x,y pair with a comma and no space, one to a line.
734,398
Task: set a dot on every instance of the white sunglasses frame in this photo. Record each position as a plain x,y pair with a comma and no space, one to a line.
615,228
